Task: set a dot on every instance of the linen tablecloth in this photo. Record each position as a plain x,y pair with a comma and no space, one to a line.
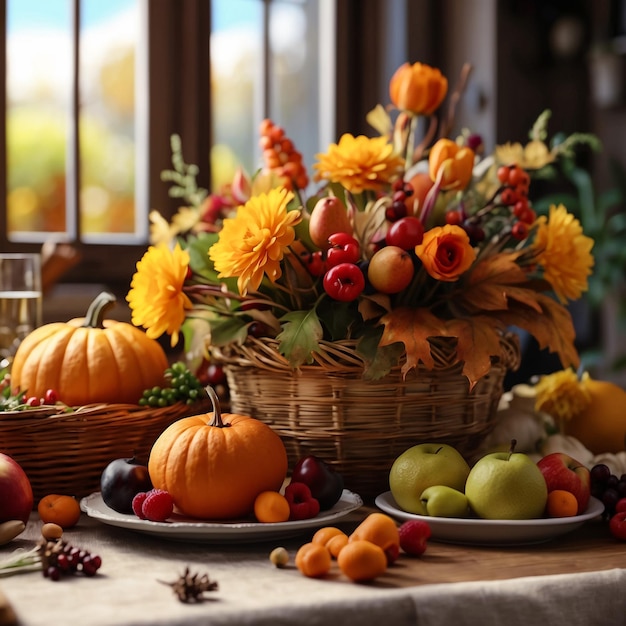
575,580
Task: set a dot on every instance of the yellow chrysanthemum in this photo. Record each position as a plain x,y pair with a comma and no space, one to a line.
533,156
156,297
254,242
359,163
564,253
561,395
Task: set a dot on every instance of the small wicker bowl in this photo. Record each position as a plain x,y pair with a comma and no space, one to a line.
66,452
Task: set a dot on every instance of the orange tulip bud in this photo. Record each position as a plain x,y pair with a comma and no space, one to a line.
450,164
418,88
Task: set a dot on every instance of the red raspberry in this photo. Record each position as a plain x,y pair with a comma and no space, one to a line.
157,506
413,537
302,505
137,504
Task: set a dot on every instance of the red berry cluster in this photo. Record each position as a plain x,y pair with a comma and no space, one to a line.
59,558
339,268
514,193
281,157
402,191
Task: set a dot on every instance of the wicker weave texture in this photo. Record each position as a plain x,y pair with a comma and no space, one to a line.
359,426
66,452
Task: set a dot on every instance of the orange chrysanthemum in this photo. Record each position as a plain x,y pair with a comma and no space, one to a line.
564,253
254,242
359,163
156,297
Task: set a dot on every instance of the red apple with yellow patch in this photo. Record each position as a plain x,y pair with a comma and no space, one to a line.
16,493
562,471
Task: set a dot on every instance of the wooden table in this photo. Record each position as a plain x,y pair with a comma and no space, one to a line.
579,578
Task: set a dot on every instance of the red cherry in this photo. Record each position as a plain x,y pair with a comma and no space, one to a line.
406,233
344,282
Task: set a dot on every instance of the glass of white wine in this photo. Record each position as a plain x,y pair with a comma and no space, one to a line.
20,299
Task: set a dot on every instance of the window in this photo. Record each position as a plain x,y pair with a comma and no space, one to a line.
94,90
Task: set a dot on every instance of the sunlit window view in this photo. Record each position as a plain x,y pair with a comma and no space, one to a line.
40,66
261,65
244,89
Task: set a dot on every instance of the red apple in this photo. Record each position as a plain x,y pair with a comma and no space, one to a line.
16,493
561,471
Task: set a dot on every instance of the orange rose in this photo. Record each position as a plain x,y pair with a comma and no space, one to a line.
446,252
451,164
418,88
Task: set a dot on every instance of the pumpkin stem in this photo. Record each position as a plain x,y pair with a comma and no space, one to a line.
217,411
95,313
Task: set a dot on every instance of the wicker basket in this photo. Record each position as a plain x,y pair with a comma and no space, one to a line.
360,426
65,452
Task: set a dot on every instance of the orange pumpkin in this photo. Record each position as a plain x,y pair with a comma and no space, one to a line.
87,360
215,465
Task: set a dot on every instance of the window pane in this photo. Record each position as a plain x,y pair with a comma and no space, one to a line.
109,33
39,61
247,86
293,71
236,86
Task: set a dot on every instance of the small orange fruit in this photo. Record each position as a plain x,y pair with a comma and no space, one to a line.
362,560
382,530
59,509
313,560
271,506
336,544
325,534
561,503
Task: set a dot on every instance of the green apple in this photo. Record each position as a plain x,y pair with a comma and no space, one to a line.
422,466
444,501
506,485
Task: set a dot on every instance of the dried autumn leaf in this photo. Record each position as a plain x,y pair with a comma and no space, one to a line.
374,305
412,327
552,327
493,281
478,339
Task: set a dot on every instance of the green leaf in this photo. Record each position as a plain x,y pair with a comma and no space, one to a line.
198,248
300,337
337,317
228,330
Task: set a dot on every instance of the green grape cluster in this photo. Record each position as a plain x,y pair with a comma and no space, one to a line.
183,387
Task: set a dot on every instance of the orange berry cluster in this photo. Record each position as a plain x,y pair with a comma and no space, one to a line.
515,183
281,157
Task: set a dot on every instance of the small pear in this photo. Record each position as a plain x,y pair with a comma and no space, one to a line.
329,216
444,501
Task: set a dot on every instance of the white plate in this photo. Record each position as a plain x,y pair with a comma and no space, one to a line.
181,528
492,532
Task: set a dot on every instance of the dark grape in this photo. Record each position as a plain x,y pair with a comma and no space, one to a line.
600,473
610,499
621,488
612,481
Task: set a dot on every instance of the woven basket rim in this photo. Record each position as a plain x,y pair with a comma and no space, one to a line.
85,410
342,355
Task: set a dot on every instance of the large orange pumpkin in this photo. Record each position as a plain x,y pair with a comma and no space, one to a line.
87,360
214,465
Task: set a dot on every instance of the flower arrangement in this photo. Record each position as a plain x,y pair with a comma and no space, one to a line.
409,237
